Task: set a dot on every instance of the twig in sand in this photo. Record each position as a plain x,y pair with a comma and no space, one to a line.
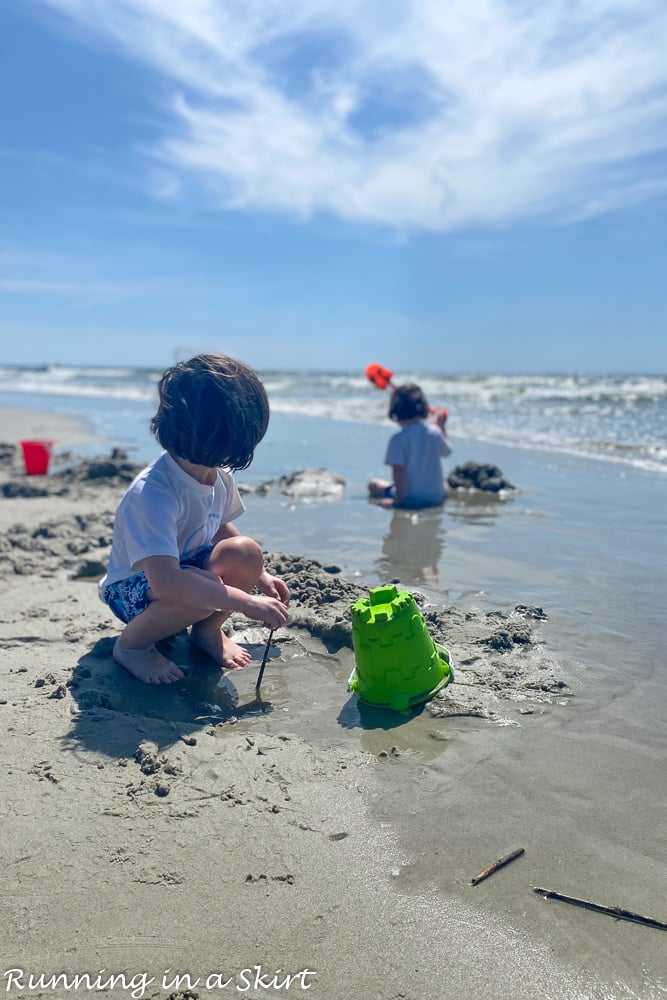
613,911
264,659
500,863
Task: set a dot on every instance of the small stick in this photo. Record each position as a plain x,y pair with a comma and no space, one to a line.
264,659
500,863
613,911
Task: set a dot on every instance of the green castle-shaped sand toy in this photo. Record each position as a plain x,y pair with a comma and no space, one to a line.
398,664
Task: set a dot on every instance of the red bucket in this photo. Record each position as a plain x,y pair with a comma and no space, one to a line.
36,456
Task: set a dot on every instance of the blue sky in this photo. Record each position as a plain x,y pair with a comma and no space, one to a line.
470,186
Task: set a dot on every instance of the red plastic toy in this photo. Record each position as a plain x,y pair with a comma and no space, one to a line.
381,377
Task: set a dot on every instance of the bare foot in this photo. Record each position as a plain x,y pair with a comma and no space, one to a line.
147,665
220,647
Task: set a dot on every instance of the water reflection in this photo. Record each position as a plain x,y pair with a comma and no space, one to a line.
384,733
412,548
477,507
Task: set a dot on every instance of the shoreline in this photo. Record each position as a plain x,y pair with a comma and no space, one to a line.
66,430
323,831
129,436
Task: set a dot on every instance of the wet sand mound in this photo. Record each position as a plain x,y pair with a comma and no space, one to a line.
478,478
306,484
73,545
103,470
496,655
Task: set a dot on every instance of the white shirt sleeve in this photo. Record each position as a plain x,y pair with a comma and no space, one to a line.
149,517
234,505
395,451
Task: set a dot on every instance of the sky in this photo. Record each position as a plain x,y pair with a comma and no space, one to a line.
470,186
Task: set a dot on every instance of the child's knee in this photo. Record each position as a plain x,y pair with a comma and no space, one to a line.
238,561
380,489
249,553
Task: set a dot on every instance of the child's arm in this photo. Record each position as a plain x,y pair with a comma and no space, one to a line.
225,531
184,588
273,586
441,422
400,477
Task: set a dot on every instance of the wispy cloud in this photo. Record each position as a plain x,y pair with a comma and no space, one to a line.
419,114
66,277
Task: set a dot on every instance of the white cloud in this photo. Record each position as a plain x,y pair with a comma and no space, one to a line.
413,114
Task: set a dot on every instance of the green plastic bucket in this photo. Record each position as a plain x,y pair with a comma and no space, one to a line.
398,665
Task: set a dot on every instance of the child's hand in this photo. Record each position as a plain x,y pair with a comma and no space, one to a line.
269,610
272,586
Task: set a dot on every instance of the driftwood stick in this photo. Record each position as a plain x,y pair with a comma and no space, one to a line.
264,659
612,911
500,863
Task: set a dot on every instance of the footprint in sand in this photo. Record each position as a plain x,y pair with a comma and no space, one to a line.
43,771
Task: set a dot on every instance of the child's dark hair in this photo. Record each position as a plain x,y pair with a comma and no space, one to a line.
408,402
213,411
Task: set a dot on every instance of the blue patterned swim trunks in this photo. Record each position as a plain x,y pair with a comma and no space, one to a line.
129,597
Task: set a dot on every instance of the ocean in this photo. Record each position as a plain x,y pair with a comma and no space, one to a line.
621,419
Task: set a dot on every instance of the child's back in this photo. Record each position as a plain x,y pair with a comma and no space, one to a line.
418,448
414,453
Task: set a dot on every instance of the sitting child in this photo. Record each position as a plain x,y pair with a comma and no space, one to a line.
414,453
176,558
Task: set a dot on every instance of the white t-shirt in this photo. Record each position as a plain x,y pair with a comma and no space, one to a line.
166,512
419,448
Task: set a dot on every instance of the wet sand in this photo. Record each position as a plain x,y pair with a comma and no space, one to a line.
17,424
194,830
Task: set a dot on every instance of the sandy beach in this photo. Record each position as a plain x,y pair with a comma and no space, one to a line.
191,844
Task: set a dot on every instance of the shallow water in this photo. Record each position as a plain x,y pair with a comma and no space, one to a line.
588,542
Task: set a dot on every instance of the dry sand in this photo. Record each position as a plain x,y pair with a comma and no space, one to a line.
152,833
